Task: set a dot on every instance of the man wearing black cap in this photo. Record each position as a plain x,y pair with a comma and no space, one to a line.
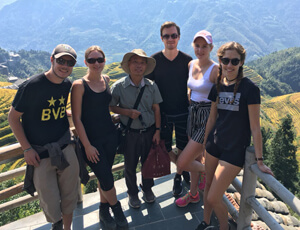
39,121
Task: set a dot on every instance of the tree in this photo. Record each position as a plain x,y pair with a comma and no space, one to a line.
282,156
266,136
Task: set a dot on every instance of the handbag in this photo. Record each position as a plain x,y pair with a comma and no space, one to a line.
158,161
123,130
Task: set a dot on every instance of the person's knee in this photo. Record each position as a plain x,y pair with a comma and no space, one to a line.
207,183
106,180
108,188
181,164
213,200
173,157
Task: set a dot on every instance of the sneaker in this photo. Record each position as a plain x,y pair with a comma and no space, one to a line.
177,187
203,226
188,198
202,181
134,201
58,225
149,196
186,176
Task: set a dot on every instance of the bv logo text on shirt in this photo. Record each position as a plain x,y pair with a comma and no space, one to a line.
56,110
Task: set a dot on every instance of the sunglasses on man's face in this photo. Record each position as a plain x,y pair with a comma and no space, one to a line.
167,36
93,60
234,61
62,61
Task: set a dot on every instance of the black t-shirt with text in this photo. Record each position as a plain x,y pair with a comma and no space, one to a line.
43,105
232,127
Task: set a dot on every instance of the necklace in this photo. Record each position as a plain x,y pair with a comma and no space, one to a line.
231,79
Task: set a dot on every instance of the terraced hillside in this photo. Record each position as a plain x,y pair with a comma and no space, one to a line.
6,97
254,76
278,107
272,109
113,70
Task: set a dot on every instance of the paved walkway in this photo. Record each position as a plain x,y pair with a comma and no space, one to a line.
161,215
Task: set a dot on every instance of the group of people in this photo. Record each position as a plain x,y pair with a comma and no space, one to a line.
212,108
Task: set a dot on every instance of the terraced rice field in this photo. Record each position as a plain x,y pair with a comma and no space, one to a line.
278,107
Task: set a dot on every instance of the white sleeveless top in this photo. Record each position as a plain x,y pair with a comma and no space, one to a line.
200,88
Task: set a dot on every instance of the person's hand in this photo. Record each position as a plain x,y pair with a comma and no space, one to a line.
134,114
156,138
31,157
203,152
262,167
92,154
115,118
69,112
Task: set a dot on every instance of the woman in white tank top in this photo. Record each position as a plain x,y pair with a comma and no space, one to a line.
203,74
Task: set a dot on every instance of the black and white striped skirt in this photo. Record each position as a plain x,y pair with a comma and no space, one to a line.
198,116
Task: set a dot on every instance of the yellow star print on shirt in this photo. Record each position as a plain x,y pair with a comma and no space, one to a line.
51,101
61,100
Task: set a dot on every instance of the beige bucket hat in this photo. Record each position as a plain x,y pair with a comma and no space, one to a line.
150,61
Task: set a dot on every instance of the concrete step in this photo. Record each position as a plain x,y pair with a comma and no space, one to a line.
161,215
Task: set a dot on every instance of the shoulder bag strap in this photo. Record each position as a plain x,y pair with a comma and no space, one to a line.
135,106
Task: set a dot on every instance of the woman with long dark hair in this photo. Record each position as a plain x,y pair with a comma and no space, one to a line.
234,117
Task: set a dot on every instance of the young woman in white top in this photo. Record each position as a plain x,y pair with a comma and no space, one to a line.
203,74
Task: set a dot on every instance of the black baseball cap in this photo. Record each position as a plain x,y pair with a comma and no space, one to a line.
64,49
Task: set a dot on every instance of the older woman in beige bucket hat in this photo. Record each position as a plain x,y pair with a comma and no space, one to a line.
145,119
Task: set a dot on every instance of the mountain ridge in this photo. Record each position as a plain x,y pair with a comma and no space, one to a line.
276,74
280,71
118,26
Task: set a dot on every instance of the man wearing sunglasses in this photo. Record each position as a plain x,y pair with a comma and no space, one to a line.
171,75
39,121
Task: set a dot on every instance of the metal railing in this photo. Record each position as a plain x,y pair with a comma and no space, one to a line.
243,218
248,201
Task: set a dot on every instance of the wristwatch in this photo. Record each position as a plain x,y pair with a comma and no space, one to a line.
259,159
157,128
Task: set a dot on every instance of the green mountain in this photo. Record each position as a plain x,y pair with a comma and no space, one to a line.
276,74
119,26
280,72
24,64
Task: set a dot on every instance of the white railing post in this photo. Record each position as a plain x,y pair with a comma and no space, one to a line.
248,190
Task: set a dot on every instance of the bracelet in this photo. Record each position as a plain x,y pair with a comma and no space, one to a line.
259,159
157,128
26,150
